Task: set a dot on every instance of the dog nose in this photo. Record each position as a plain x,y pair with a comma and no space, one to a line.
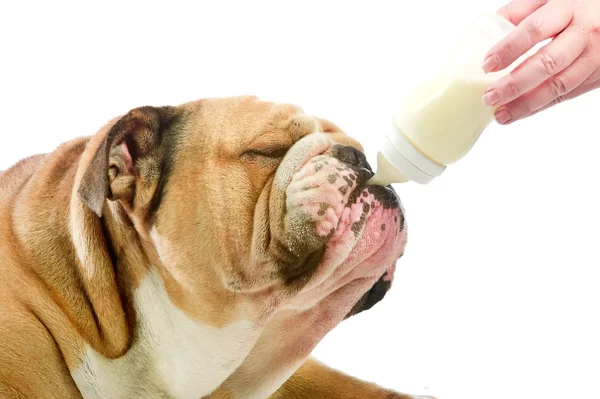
352,156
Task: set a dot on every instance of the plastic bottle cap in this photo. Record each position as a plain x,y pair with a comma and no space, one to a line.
408,160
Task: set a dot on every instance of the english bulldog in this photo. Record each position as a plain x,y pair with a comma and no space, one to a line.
196,251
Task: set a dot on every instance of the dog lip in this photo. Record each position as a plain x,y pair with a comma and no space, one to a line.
366,171
388,197
372,297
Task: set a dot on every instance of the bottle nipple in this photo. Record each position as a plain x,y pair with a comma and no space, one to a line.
386,173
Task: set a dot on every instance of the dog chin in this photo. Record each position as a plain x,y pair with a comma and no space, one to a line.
362,226
382,241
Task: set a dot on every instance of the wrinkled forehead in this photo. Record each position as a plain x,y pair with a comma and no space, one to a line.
233,123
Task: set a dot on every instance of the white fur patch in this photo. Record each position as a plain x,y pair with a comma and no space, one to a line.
171,356
79,234
310,146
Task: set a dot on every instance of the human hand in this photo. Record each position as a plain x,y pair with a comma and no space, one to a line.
563,69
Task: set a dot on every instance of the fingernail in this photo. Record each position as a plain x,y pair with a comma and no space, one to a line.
490,64
503,116
491,97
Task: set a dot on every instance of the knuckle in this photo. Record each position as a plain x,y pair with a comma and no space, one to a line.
512,89
591,36
508,50
525,108
549,63
594,32
557,87
535,29
522,107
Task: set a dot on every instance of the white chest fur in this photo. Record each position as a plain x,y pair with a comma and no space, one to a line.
172,356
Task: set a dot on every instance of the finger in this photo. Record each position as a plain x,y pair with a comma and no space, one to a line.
557,88
547,62
517,10
544,23
584,88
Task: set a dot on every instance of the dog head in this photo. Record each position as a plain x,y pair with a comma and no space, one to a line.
249,197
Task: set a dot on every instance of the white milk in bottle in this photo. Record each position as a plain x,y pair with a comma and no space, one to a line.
439,121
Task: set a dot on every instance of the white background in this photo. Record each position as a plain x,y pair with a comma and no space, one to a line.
497,295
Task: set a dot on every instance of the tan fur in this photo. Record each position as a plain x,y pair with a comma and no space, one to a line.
314,380
67,277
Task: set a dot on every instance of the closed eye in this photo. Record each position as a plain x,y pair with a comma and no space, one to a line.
273,153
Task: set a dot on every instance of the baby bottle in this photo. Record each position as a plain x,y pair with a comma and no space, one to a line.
440,120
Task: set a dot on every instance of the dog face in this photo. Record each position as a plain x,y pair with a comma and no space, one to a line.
253,198
251,211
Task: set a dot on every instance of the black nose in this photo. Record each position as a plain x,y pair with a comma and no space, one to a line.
352,156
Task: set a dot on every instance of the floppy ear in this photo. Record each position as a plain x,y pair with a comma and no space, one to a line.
129,159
